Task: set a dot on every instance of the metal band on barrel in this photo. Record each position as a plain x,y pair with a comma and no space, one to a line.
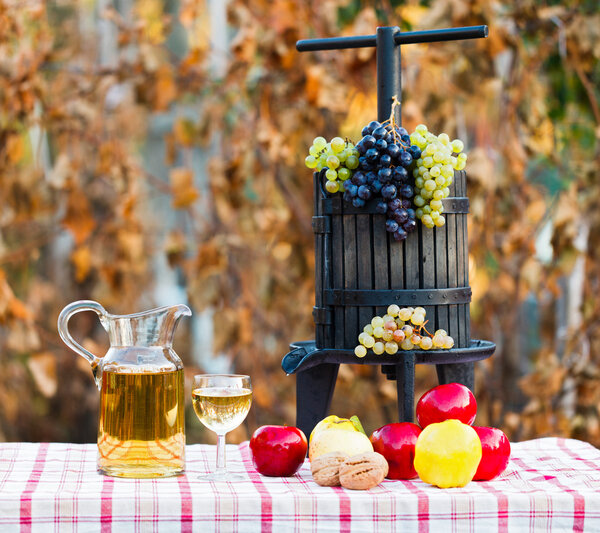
322,315
412,297
321,224
336,206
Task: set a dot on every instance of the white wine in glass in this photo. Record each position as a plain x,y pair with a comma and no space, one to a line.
221,403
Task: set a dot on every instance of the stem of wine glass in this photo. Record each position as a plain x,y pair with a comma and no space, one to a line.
220,454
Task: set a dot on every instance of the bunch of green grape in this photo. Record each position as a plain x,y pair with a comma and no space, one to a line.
338,156
434,173
400,329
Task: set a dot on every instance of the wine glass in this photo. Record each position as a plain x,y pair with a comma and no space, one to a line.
221,403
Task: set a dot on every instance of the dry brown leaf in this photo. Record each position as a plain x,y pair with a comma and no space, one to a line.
15,148
182,185
153,17
132,245
10,306
18,310
481,168
262,394
78,218
22,338
184,131
61,172
42,366
175,247
210,258
166,88
536,210
282,251
82,260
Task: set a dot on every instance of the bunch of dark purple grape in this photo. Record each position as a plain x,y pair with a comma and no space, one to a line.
384,172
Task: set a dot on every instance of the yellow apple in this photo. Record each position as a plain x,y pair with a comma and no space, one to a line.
332,421
338,439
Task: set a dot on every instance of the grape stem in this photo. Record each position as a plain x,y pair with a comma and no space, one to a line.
392,123
425,329
392,119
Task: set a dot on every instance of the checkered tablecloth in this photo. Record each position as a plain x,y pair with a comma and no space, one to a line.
551,485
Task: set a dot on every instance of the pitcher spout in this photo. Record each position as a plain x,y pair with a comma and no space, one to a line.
180,310
175,312
155,327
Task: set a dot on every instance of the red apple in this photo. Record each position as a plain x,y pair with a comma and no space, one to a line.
495,454
443,402
278,450
396,442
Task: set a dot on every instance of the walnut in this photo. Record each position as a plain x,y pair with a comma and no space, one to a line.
363,471
325,468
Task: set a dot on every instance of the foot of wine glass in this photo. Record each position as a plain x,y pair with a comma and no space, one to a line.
221,403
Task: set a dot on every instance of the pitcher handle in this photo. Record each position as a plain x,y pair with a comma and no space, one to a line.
63,326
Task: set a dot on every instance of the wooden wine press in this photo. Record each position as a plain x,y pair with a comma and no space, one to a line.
360,269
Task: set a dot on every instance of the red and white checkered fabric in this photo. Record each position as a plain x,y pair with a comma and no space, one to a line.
551,485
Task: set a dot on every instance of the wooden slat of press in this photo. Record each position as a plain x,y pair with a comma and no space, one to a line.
428,267
337,277
382,253
412,263
461,254
350,281
397,250
467,321
319,265
365,252
441,275
452,264
328,258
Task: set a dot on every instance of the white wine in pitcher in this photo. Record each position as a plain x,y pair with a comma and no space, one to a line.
141,427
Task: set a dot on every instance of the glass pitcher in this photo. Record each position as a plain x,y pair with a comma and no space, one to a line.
141,428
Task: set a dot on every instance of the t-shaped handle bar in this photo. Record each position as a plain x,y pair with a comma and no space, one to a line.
411,37
387,41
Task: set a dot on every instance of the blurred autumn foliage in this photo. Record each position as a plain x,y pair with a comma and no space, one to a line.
134,151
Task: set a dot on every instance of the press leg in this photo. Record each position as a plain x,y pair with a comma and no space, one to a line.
457,373
405,384
314,390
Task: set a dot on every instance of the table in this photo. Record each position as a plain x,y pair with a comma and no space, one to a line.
550,484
